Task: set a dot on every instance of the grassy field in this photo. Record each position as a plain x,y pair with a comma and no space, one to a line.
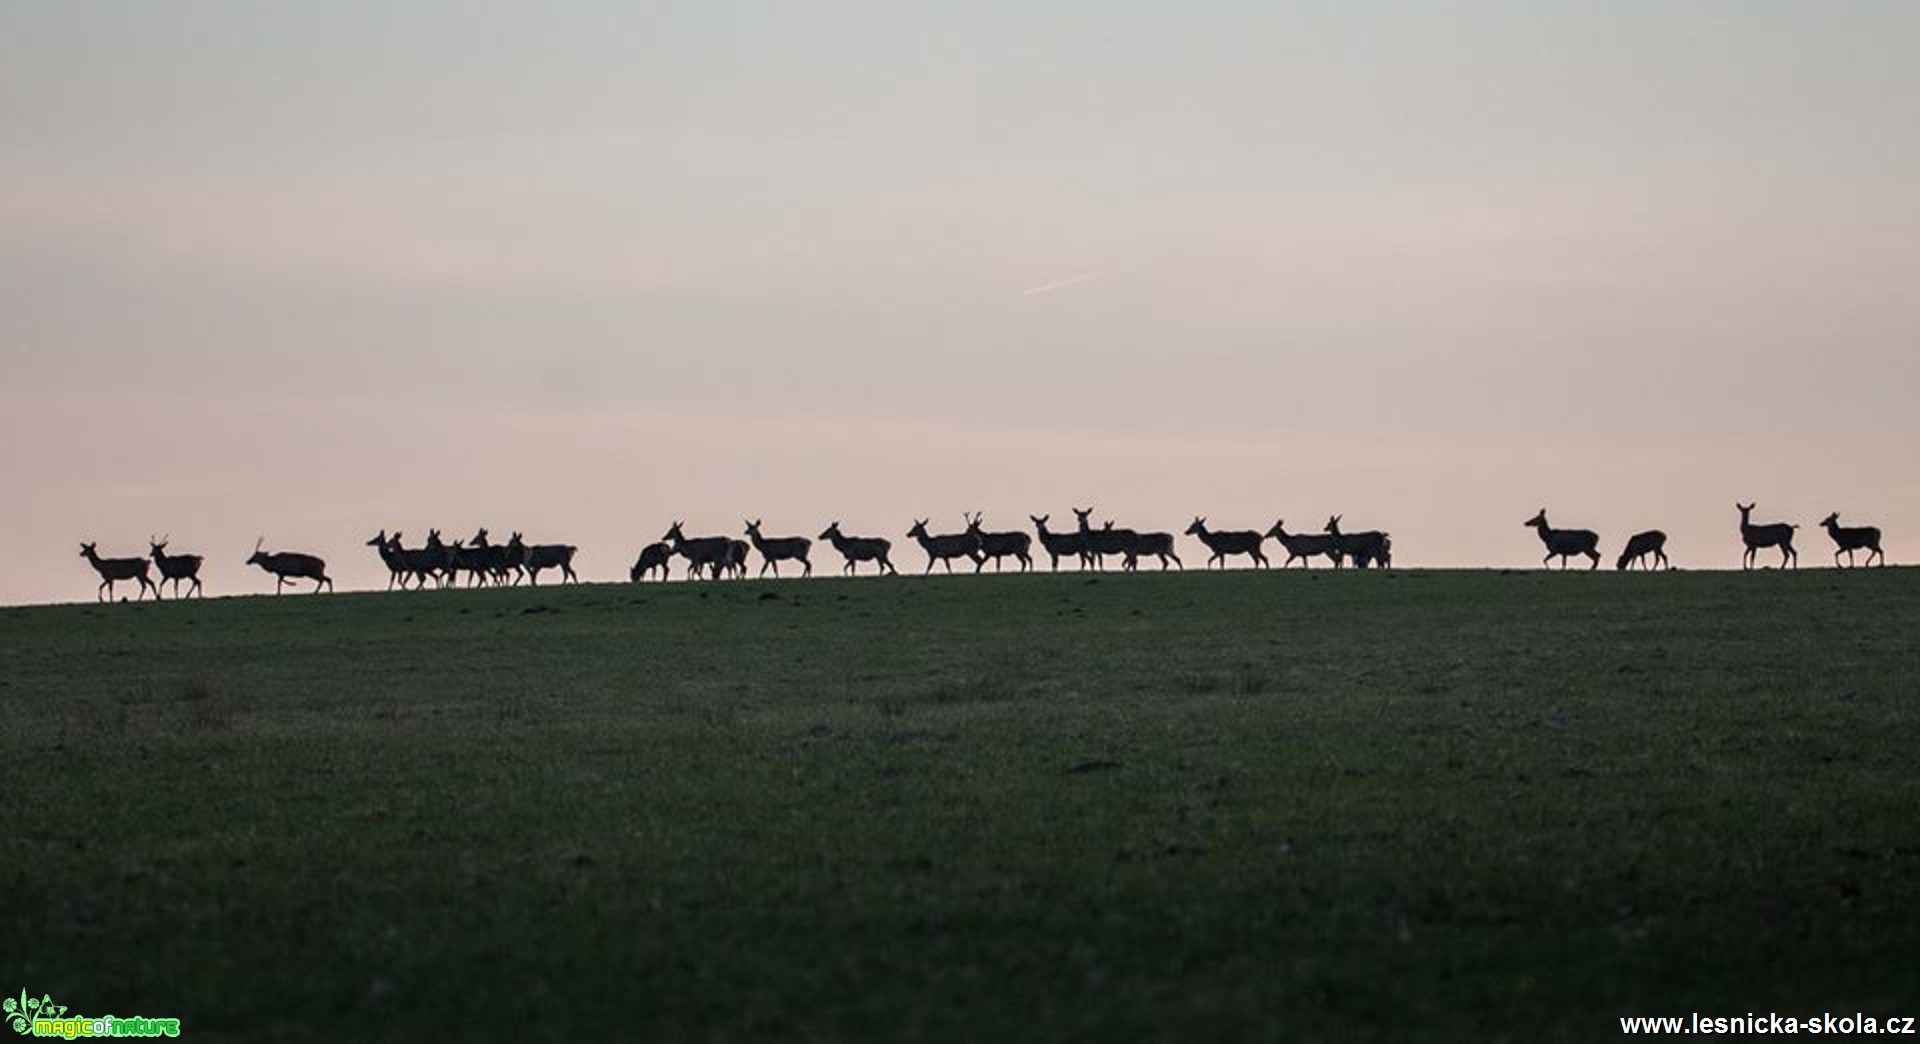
1195,807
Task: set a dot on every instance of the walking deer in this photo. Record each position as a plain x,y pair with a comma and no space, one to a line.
1641,546
945,547
703,554
1304,546
860,549
999,545
775,550
1769,534
1853,538
653,556
531,558
1060,545
286,565
1369,548
1227,543
114,570
1106,541
1159,545
175,568
1565,543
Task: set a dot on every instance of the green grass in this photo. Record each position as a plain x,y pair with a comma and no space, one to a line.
1193,807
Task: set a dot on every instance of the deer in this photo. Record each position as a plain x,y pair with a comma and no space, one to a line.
1106,541
653,556
1228,543
734,562
175,568
1371,547
1565,542
1771,534
114,570
775,550
290,564
999,545
389,550
946,547
1159,545
435,559
1060,545
474,557
531,558
702,553
1853,538
1642,546
1304,546
860,549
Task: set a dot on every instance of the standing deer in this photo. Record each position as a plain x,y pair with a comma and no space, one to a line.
1159,545
1304,546
285,565
1642,545
653,556
1771,534
390,553
1231,542
1106,541
774,550
114,570
734,562
999,545
1369,548
435,560
1565,542
860,549
175,568
1060,545
703,554
531,558
946,547
1853,538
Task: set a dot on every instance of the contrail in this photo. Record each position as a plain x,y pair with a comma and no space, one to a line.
1058,283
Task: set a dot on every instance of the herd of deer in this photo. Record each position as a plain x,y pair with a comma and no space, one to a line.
484,562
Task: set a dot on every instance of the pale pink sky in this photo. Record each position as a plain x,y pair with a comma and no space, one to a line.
580,272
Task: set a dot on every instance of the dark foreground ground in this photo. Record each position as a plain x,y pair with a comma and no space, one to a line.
1416,805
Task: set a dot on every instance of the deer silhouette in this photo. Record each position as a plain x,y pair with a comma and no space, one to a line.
290,565
999,545
703,554
114,570
860,549
1159,545
175,568
531,558
435,559
1060,545
1641,546
1226,543
1106,541
1851,539
1304,546
775,550
1565,543
1369,548
734,562
945,547
653,556
1769,534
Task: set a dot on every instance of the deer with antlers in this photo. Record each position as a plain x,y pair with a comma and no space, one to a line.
999,545
287,566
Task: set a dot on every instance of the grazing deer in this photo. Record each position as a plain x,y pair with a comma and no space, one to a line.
1232,542
1853,538
181,567
946,547
1641,545
1369,548
653,556
1304,546
1106,541
1060,545
285,565
860,549
999,545
531,558
1159,545
1771,534
1565,542
703,554
114,570
774,550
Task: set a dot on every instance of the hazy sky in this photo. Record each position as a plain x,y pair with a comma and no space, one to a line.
310,270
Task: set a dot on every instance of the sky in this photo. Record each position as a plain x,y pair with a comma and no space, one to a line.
302,272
